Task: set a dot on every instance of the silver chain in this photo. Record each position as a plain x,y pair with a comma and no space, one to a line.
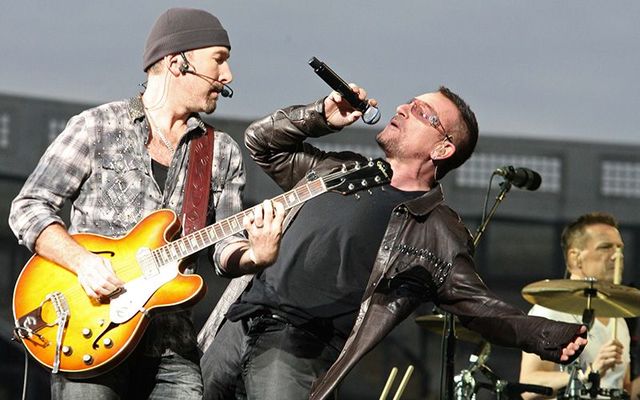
158,131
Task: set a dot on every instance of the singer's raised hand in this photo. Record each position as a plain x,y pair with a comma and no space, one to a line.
339,113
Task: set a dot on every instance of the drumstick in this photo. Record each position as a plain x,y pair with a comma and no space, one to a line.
403,383
617,271
387,386
617,279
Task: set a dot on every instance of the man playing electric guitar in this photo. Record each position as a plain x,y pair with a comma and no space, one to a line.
117,163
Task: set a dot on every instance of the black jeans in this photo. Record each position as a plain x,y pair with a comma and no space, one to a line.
264,358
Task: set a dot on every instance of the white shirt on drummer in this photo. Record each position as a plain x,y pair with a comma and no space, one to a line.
599,334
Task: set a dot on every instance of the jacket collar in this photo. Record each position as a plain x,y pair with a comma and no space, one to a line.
427,202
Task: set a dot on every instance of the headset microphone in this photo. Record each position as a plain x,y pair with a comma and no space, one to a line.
185,69
226,91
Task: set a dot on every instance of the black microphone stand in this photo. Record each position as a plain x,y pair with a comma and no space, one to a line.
448,335
504,189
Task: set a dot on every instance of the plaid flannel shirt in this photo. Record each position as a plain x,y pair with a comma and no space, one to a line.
100,163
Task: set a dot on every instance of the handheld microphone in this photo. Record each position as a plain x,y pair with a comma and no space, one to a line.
370,114
520,177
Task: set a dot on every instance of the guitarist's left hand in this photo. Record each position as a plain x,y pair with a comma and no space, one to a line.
264,227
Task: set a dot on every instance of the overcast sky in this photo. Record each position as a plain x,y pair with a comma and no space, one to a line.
550,69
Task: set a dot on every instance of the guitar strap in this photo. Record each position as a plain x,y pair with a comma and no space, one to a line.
198,184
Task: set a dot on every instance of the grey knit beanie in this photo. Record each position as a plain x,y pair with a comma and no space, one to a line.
182,29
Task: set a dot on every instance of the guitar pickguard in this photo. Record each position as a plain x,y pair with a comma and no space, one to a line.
137,292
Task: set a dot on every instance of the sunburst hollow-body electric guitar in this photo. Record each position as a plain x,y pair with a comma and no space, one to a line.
67,331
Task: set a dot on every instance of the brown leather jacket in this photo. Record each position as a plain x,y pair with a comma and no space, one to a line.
425,255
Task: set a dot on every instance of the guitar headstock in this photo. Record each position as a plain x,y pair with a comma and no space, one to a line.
355,176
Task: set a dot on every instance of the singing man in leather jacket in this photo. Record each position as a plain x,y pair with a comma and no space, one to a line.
351,268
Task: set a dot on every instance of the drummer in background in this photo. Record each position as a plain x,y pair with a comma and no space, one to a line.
589,245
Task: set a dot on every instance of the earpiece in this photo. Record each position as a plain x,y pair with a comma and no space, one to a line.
440,150
184,68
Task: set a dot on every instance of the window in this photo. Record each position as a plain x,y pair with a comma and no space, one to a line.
476,171
55,127
620,179
5,130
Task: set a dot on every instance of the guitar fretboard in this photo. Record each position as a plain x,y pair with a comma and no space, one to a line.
205,237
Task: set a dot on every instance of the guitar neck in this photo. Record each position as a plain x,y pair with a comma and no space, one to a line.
207,236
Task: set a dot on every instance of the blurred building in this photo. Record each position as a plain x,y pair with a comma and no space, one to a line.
520,246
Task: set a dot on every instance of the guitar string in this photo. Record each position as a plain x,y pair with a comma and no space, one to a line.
78,291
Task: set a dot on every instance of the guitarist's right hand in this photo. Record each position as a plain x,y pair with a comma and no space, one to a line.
96,275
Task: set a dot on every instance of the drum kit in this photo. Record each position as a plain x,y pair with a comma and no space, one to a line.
588,298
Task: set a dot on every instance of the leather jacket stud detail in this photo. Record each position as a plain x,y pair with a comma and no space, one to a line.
441,268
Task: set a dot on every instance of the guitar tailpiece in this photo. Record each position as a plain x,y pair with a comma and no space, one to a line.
62,322
20,332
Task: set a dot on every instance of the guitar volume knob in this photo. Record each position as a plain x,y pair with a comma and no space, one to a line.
86,332
87,359
67,350
107,342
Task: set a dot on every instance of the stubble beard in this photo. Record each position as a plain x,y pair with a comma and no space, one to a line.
210,106
387,143
393,147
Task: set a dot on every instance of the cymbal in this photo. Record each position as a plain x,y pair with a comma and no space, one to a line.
570,296
435,323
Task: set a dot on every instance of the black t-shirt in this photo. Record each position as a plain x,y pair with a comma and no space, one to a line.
325,260
159,173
